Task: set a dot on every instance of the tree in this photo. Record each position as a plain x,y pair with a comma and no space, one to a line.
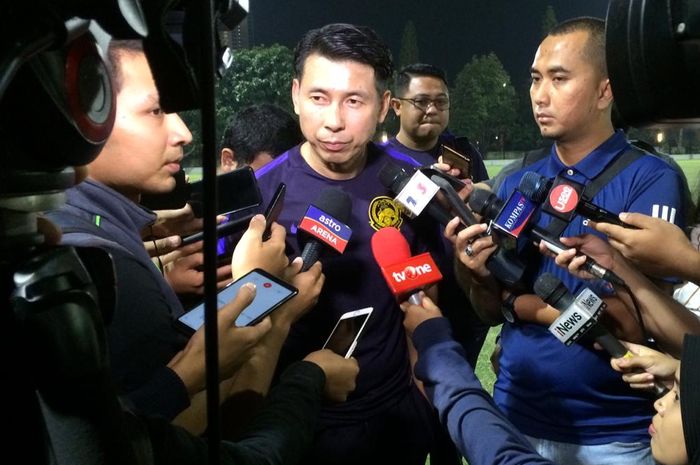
257,75
549,20
484,103
409,45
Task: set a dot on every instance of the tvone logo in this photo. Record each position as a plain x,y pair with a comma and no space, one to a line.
411,272
563,198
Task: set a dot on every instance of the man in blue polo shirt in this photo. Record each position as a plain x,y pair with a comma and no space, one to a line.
421,100
567,400
340,94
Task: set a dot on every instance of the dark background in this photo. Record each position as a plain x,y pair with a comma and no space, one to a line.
449,32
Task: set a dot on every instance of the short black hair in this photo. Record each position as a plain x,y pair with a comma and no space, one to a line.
594,51
116,49
340,42
261,128
405,74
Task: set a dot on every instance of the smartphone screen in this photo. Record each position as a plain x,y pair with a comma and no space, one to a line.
274,209
270,294
344,337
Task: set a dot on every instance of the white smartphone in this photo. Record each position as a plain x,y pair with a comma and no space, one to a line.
270,294
343,339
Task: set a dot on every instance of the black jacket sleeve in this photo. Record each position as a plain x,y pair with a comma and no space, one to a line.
280,434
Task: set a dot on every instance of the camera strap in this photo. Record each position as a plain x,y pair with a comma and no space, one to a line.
557,226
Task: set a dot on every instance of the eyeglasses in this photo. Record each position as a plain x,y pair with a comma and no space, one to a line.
423,103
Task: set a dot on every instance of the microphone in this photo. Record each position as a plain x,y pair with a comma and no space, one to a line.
510,217
404,274
514,215
503,265
484,203
579,315
455,200
395,178
563,198
325,224
590,265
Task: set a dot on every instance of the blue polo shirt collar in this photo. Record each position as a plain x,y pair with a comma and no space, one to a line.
596,161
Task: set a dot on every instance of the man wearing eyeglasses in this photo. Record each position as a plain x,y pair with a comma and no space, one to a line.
422,103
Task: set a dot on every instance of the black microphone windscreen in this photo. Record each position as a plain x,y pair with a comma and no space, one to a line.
534,186
336,202
484,203
393,177
550,289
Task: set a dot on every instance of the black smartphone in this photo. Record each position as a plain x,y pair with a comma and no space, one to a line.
234,226
273,210
456,183
457,160
237,190
270,294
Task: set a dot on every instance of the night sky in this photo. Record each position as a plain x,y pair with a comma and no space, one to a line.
449,32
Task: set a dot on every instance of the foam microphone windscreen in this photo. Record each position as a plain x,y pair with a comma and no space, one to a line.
534,186
389,247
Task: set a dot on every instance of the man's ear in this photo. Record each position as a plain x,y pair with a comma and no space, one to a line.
605,96
228,160
396,106
384,108
295,95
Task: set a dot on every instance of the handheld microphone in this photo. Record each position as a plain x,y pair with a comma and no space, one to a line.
505,267
222,230
590,265
579,316
510,217
484,203
395,178
325,223
563,198
514,218
404,274
454,200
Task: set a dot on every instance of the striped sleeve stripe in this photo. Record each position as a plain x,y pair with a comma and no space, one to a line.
664,212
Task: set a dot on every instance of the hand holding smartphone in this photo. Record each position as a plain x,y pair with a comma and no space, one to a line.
343,339
457,160
270,294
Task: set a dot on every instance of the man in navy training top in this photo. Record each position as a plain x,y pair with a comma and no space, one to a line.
340,94
421,100
572,406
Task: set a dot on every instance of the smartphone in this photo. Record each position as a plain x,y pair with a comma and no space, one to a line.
238,225
273,210
237,190
271,293
457,160
456,183
343,339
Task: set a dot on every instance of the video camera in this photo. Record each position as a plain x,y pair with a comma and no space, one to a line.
653,57
57,109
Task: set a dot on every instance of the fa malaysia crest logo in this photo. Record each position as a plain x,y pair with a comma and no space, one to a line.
384,212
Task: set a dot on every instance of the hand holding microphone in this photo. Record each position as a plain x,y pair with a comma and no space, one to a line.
579,317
